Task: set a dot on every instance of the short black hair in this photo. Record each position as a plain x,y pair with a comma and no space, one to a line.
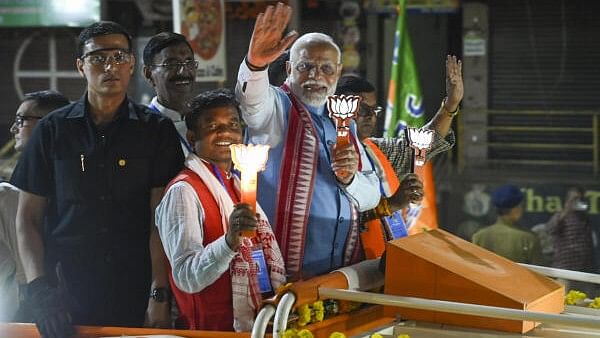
47,100
161,41
98,29
352,85
204,101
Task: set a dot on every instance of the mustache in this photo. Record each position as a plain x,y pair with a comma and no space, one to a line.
108,77
315,83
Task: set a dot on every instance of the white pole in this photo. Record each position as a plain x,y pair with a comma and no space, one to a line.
460,308
564,274
282,313
262,320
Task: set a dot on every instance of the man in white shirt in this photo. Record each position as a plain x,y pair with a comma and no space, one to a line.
170,68
33,107
311,190
214,276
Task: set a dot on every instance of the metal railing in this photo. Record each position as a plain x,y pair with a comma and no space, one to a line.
581,321
537,138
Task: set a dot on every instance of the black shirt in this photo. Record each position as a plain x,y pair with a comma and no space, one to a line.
98,178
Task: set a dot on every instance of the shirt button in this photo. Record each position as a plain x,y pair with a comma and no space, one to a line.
341,219
108,258
336,245
330,142
104,230
101,165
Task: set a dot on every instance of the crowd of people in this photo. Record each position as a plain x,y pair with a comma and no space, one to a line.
119,214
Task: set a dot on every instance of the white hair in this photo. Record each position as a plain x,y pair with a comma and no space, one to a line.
316,39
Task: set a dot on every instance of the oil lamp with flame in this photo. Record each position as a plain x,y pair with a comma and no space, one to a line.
249,160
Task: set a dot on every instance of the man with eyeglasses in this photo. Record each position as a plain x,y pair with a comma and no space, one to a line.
12,278
366,119
395,153
396,149
90,179
170,68
304,189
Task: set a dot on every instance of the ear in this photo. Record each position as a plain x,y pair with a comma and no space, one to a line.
79,65
147,71
191,138
288,67
340,68
132,64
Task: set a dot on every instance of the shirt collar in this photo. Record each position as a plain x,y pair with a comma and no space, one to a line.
507,224
193,162
173,115
81,108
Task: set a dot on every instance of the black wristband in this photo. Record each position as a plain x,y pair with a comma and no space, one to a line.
253,67
37,285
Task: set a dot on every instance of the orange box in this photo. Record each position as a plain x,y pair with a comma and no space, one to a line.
438,265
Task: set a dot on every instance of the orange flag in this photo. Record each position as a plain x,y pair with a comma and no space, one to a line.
423,216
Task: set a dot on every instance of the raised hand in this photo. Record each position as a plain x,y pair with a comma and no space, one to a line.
454,83
267,41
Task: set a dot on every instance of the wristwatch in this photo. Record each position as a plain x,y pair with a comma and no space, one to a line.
160,295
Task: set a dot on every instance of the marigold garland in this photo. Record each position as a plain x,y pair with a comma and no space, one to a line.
574,297
290,333
305,333
595,304
304,315
319,311
316,312
308,314
337,335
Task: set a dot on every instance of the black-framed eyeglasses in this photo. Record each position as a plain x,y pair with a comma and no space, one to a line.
367,111
170,66
20,120
119,57
326,68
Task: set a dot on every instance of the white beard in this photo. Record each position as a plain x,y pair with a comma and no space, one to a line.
314,99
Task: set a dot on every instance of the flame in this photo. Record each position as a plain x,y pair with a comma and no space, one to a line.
250,157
